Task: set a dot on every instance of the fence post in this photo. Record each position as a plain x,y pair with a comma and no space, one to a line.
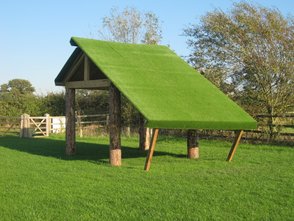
25,131
79,123
21,126
48,124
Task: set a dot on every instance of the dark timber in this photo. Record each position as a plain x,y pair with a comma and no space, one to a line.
114,126
192,144
70,121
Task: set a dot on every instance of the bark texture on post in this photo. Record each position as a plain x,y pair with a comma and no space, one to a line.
70,121
192,144
144,135
148,138
114,126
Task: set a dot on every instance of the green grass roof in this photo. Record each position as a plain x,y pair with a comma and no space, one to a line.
163,87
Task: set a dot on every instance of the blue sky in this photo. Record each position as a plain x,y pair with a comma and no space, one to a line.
34,37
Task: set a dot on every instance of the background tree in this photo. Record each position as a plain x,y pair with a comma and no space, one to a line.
17,97
91,102
131,26
251,49
53,104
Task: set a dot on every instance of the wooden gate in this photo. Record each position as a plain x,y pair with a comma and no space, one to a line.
35,126
40,126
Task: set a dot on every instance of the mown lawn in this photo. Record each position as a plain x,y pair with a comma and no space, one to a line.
38,182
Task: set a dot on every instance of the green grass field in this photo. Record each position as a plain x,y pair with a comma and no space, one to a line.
38,182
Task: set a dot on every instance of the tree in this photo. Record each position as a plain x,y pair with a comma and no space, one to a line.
250,48
91,102
131,26
53,104
18,86
17,97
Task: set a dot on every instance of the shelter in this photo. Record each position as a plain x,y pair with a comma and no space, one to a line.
164,88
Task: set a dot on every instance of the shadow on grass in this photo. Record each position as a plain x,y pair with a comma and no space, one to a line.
94,152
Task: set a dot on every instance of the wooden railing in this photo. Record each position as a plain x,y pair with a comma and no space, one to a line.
93,125
9,125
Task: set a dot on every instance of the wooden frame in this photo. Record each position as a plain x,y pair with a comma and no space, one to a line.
115,119
235,144
91,84
151,150
76,65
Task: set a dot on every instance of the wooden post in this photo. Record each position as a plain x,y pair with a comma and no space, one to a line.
80,129
238,135
114,126
70,121
144,135
192,144
151,150
21,132
48,124
25,126
148,137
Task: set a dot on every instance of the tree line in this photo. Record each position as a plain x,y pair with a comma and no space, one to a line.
246,51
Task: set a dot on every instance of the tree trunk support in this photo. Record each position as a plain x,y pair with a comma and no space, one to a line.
151,150
238,135
192,144
114,126
144,135
70,148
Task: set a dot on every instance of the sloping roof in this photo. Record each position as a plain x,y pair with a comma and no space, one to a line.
164,88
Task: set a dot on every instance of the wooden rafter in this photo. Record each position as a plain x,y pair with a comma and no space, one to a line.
75,67
86,68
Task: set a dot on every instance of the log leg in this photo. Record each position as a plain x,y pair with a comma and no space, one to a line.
147,138
70,121
144,136
236,142
151,150
114,126
192,145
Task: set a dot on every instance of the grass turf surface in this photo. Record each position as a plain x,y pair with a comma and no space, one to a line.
163,87
38,182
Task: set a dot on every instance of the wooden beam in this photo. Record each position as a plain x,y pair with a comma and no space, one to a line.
114,126
192,144
151,150
75,67
238,135
86,68
70,121
91,84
